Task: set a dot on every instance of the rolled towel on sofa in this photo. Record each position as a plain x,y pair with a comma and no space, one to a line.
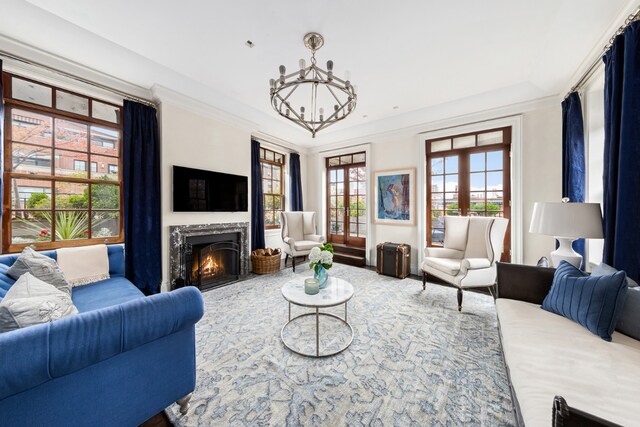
84,265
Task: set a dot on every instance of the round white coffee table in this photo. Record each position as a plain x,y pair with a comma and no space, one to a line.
337,291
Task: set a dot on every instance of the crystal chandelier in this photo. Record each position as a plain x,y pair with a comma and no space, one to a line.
312,97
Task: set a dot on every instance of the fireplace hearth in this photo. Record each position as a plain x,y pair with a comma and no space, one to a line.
208,255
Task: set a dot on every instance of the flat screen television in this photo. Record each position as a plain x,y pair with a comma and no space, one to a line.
197,190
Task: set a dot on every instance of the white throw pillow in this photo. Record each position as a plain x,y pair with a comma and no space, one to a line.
30,301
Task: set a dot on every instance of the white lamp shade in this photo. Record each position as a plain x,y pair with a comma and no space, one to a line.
577,220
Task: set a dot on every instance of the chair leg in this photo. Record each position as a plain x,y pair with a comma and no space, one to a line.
424,280
293,261
184,403
459,299
286,258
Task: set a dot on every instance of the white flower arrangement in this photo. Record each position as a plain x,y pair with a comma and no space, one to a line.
322,255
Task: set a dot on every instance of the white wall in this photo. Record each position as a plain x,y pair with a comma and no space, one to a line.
593,112
542,173
194,139
541,176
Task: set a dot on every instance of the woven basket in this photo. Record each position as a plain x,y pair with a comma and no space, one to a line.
265,264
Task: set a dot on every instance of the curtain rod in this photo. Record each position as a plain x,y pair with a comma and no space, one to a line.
124,95
274,143
598,61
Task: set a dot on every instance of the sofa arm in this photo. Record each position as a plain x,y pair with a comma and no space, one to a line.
37,354
524,282
315,238
474,264
443,253
290,241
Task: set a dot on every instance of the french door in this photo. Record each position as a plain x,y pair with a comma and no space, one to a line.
347,200
468,175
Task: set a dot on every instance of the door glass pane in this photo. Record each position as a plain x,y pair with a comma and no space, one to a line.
332,175
477,181
437,236
494,181
437,201
437,219
340,175
340,188
334,161
451,165
362,188
106,141
345,160
477,197
451,183
494,160
437,166
476,162
437,183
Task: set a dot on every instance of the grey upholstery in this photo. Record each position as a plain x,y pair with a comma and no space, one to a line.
299,234
472,247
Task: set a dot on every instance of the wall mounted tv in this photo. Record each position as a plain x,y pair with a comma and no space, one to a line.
197,190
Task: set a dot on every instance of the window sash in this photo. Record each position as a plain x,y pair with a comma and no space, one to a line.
94,215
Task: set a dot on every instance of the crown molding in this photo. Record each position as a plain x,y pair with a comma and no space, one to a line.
164,95
454,121
39,57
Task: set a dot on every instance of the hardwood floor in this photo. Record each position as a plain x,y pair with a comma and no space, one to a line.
158,420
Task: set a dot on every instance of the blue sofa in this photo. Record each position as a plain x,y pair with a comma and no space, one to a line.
121,360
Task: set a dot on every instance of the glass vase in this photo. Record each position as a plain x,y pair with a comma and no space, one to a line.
322,275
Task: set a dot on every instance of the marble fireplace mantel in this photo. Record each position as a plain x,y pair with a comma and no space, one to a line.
180,233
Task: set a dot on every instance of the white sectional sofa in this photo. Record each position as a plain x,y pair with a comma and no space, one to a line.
548,355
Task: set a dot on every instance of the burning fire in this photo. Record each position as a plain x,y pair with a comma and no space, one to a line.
210,266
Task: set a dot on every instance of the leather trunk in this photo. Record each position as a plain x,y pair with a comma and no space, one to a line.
394,259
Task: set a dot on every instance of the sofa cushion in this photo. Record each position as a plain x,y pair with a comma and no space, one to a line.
105,293
629,321
593,301
40,266
478,237
445,265
549,355
30,301
455,233
305,245
294,225
603,269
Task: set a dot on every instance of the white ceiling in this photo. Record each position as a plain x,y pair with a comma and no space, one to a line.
417,55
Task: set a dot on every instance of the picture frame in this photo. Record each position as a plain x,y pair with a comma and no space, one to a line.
395,197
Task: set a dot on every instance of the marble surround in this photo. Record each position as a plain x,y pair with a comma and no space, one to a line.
180,233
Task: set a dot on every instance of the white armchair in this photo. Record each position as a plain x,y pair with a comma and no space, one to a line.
299,235
472,247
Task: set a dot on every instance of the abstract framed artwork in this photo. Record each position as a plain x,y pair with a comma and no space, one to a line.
395,198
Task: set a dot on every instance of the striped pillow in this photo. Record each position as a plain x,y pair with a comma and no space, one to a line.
595,302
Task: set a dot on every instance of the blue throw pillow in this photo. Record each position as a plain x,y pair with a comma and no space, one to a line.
593,302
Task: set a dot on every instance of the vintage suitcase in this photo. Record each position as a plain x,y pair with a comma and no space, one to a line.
394,259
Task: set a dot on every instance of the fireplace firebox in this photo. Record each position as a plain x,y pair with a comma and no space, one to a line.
211,260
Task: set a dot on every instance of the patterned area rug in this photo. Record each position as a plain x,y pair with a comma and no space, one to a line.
415,360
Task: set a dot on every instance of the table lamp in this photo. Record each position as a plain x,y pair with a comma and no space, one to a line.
567,222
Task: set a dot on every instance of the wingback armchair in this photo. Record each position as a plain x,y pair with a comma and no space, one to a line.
472,247
299,235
